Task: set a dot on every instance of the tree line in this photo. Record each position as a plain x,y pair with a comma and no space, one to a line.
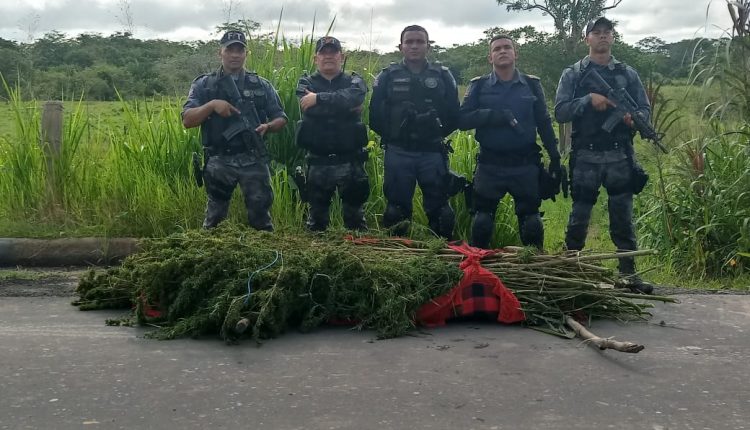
99,67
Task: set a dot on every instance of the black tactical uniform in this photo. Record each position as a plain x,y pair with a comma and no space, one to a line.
507,116
334,137
413,113
599,157
235,162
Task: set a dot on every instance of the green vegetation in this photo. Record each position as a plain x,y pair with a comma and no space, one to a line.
124,165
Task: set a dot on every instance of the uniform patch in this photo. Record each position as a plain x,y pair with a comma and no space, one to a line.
431,83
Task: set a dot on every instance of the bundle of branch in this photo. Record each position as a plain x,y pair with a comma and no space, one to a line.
230,280
558,292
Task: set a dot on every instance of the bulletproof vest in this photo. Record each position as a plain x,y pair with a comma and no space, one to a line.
326,129
587,129
252,92
411,95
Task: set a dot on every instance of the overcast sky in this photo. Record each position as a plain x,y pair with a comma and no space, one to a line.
361,24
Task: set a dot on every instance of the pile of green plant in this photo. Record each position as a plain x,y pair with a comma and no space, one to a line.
206,282
228,280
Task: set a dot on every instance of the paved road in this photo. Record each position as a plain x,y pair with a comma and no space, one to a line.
64,369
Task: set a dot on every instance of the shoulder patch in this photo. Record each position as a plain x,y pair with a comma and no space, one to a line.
199,77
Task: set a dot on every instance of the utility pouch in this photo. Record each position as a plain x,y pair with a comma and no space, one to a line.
638,178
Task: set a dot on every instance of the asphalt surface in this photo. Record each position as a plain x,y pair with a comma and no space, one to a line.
61,368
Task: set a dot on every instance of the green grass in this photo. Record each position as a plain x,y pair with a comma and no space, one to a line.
126,173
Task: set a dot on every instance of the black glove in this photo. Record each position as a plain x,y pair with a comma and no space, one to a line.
503,118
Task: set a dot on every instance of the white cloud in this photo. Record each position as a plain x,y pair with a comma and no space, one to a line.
361,24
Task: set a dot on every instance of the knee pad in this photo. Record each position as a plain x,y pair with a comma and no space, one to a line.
442,221
356,191
483,204
531,230
481,229
394,214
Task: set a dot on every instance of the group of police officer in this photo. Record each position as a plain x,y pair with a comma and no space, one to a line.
414,107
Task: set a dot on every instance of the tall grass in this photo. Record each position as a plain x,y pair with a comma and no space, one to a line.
699,216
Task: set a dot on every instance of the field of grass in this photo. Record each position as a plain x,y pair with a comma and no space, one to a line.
126,173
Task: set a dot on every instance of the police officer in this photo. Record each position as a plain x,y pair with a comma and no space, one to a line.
239,158
599,157
332,133
414,106
507,109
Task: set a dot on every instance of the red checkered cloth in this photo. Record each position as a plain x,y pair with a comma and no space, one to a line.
480,293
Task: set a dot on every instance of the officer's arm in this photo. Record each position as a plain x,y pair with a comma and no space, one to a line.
449,118
544,122
277,119
377,104
567,108
346,98
195,110
469,115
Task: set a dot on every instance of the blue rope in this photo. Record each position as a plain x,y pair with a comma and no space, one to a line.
250,279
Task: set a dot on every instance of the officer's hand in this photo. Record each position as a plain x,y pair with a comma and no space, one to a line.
601,103
224,108
554,168
628,120
309,100
502,117
358,109
263,129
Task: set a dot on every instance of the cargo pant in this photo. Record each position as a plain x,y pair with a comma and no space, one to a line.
350,179
222,175
403,170
613,170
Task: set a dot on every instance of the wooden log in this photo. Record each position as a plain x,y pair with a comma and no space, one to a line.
601,343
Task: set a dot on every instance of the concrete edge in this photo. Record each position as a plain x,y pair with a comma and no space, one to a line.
66,252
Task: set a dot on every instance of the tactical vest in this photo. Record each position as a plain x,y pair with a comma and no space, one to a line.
251,90
410,99
587,129
520,100
326,130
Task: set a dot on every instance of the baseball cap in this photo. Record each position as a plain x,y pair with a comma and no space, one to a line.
601,21
233,36
327,41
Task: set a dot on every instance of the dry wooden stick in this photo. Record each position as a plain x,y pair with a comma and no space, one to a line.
602,343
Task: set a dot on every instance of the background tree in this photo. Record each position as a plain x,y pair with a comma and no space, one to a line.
570,16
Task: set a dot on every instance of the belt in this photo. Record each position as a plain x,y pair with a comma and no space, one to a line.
508,159
599,145
333,159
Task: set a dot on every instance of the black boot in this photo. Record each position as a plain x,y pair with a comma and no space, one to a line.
629,279
635,284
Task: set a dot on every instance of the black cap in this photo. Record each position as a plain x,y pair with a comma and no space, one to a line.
231,37
601,21
327,41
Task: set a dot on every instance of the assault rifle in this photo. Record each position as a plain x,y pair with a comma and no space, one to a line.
246,122
624,104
